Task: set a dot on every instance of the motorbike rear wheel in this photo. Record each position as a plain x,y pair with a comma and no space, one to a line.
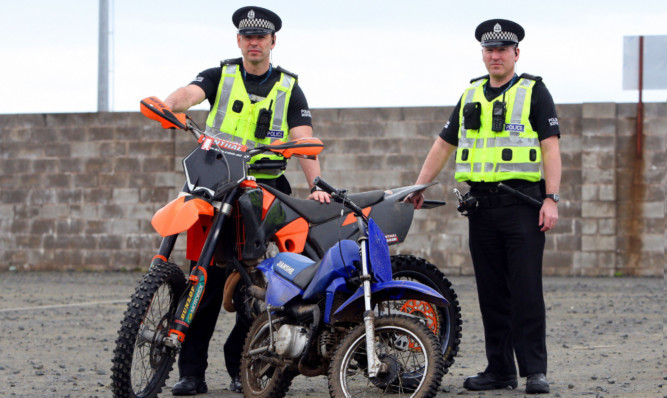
407,348
141,360
446,323
261,374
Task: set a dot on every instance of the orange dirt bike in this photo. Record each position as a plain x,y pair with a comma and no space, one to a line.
231,219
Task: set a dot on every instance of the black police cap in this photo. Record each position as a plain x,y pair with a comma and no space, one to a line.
253,20
499,33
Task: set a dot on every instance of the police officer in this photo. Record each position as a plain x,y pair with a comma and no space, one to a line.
502,130
252,102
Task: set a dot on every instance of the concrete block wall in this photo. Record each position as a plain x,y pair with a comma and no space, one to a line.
597,233
640,191
77,191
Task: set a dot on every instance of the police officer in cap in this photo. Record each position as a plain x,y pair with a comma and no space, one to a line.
505,130
252,102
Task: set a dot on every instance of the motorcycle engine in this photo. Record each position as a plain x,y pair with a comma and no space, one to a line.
291,341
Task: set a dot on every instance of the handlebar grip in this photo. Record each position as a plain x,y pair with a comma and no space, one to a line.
318,182
338,195
271,164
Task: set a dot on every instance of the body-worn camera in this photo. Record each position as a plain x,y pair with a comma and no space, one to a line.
237,106
498,121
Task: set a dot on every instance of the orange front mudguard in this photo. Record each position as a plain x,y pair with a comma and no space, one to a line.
180,215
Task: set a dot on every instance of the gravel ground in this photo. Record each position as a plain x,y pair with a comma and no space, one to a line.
604,336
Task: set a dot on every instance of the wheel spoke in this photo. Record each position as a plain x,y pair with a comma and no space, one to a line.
404,358
141,362
148,353
264,374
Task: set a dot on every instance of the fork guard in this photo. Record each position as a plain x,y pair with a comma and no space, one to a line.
353,307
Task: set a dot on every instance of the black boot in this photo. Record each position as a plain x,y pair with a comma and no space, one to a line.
537,384
235,384
489,381
190,385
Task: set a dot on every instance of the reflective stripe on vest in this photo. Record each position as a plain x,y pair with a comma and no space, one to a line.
502,167
225,93
485,155
281,101
227,122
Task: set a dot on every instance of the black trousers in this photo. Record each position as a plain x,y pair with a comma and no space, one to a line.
507,247
193,359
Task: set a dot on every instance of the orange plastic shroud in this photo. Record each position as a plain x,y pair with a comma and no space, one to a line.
180,214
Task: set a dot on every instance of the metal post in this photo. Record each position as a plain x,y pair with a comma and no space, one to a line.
103,59
640,104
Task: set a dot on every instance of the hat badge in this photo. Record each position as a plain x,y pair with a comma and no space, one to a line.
251,14
497,28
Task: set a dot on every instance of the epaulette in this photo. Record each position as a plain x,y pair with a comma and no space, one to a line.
530,77
479,78
232,61
285,71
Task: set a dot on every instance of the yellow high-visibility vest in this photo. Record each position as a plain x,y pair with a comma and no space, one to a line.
487,156
233,116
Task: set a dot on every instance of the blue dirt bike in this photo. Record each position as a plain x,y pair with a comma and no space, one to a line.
322,317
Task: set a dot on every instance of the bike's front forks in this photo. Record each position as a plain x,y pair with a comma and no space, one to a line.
189,302
375,366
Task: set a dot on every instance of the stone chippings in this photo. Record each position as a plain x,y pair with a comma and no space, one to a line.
604,337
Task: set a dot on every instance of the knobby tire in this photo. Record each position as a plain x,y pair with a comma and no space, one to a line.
151,314
399,341
419,270
277,379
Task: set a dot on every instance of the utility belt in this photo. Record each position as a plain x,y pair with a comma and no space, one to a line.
506,193
496,198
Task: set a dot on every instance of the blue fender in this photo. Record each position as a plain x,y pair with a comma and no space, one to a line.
384,291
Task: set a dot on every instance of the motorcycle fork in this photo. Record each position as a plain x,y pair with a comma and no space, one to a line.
374,363
164,252
189,302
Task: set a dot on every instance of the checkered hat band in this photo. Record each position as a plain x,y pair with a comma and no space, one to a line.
256,23
500,36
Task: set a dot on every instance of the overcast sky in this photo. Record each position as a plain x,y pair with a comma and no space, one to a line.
347,53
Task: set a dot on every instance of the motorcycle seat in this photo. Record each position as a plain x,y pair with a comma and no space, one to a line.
315,212
295,268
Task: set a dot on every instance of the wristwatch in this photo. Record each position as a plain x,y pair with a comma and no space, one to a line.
554,196
315,188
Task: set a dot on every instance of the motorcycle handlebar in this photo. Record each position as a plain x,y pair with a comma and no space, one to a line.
318,182
270,165
339,195
194,129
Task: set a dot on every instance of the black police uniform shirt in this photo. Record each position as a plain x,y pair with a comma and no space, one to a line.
298,113
542,115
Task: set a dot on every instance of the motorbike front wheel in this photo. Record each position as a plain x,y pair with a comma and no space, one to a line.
407,349
263,373
141,360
